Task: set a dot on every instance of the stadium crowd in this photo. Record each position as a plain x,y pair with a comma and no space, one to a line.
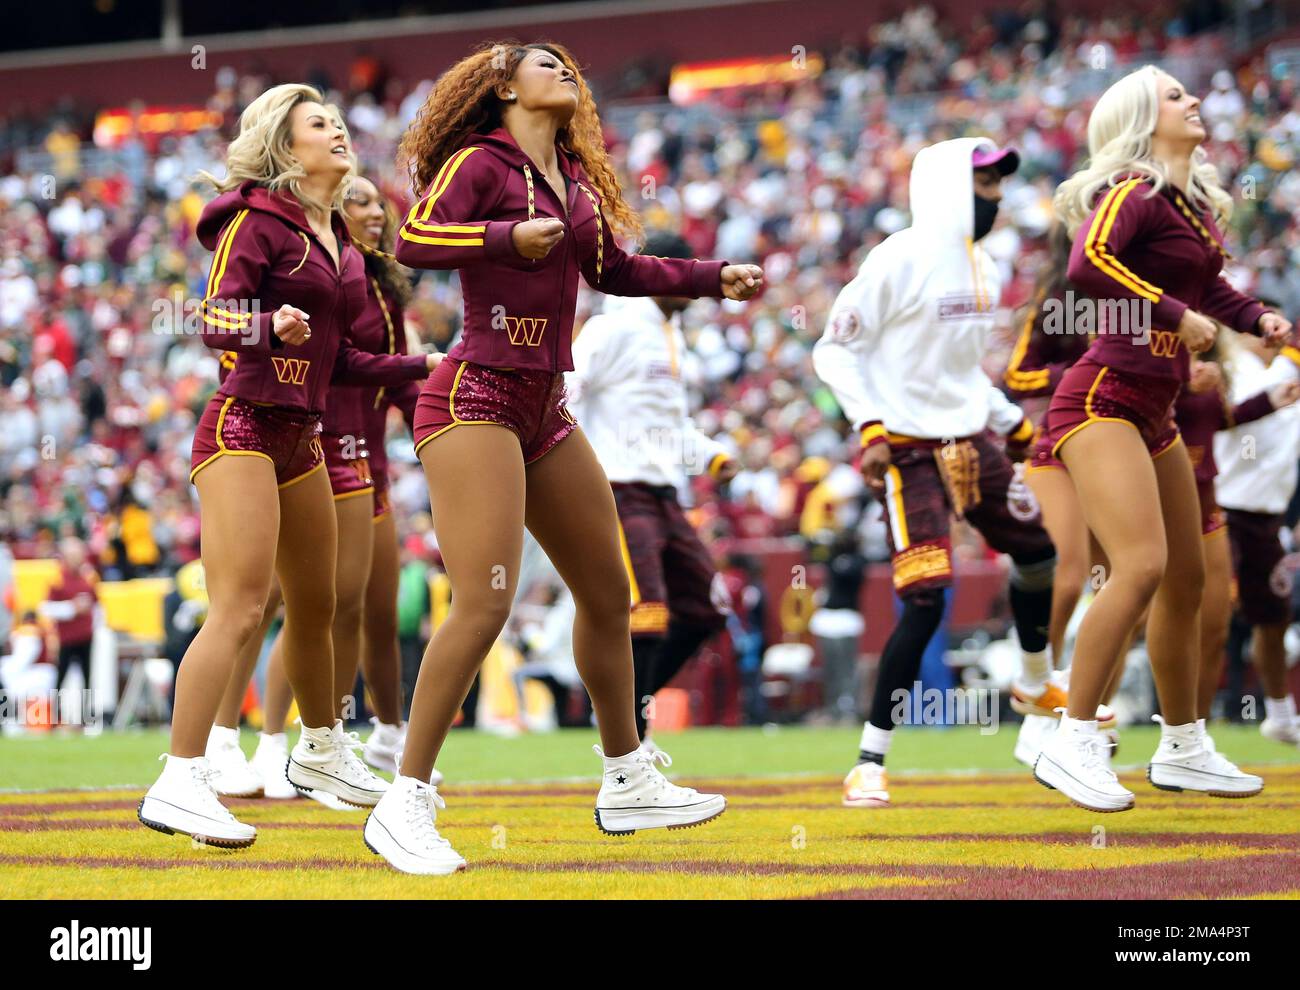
103,375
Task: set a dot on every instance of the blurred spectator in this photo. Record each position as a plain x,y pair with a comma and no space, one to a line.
70,604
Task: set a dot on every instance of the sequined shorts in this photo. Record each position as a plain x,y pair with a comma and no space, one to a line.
288,438
528,403
1091,393
348,462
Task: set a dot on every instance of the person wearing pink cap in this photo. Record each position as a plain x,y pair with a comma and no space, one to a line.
926,298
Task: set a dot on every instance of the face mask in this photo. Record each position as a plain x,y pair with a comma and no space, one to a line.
986,211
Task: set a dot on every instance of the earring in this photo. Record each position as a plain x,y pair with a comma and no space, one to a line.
512,96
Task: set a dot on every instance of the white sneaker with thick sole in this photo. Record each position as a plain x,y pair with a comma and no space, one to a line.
270,761
1277,730
866,786
182,800
384,745
402,829
232,776
1188,761
1073,761
326,760
1034,731
634,795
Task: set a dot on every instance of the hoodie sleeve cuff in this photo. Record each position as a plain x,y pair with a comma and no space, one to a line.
706,279
873,432
1248,321
1168,313
498,240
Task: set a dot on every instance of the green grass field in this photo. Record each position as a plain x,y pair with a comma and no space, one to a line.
967,822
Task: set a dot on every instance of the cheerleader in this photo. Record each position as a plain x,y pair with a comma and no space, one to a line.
518,194
284,287
1147,248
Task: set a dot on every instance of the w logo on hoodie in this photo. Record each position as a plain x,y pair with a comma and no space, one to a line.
525,330
291,371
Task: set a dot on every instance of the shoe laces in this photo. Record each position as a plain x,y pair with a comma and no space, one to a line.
203,777
1093,752
349,744
420,807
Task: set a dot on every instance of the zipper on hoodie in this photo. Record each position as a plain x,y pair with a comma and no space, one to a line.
564,266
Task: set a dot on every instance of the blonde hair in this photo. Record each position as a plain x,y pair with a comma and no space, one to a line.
260,151
1120,129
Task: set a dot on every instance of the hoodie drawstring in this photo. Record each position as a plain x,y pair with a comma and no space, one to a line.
980,298
306,250
528,177
600,230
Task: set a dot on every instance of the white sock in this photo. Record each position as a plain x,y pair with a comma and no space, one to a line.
1280,709
1079,726
875,740
275,737
1034,668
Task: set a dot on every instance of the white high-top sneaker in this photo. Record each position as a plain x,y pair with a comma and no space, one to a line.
1073,761
866,786
1034,731
402,829
182,800
634,794
1186,760
231,774
384,745
326,760
1281,730
270,761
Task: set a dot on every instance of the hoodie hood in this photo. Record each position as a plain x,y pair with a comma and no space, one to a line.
500,143
252,196
942,188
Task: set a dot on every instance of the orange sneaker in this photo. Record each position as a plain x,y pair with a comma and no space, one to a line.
1051,700
866,786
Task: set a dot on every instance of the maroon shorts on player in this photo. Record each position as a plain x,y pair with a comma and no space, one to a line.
669,569
1094,393
929,482
1041,457
528,403
348,462
1262,579
287,438
1212,518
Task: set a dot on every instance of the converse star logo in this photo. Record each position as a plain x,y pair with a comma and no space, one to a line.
311,745
1174,745
621,779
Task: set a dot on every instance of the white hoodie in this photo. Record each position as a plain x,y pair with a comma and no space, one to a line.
1257,461
905,338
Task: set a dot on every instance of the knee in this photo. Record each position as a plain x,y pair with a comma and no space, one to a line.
348,606
607,602
1145,572
486,612
922,609
240,618
1034,572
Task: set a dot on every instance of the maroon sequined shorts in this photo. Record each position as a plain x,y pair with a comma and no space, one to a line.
289,439
1094,393
528,403
1041,457
348,462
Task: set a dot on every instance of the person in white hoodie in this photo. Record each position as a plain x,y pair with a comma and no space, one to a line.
628,391
1257,477
902,353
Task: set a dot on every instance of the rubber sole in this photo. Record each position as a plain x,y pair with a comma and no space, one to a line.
460,869
205,840
1075,801
1026,708
1196,790
632,831
864,803
250,795
303,791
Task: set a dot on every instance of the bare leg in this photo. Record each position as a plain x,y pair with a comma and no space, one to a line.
1268,651
305,563
476,490
352,568
1174,627
584,548
1063,520
380,660
1216,611
238,560
1113,473
232,703
279,696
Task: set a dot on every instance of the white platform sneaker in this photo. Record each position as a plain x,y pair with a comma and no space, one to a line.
1281,730
1074,762
1034,731
384,745
231,774
634,794
326,760
402,829
182,800
1186,760
270,761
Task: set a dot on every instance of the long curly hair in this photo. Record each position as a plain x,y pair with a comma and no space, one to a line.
463,102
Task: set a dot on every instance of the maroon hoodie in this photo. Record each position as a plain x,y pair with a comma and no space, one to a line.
519,313
1041,359
1158,254
265,254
